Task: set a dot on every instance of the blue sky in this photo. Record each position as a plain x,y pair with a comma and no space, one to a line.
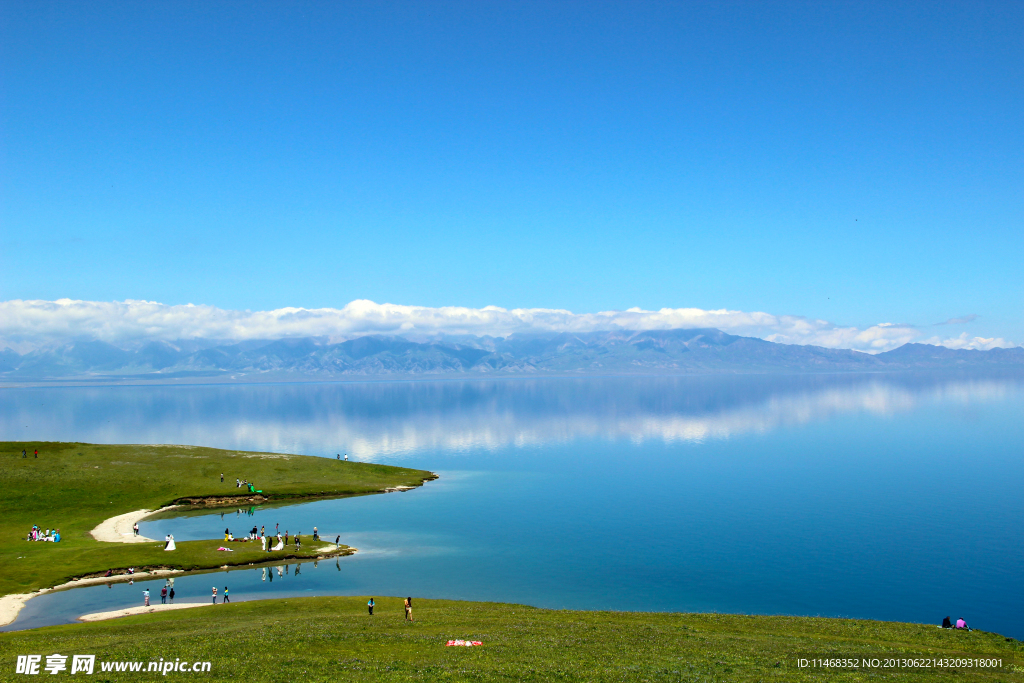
856,162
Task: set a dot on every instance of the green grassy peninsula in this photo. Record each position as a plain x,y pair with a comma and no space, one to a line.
74,487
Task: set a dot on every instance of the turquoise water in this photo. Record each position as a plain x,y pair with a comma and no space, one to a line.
882,497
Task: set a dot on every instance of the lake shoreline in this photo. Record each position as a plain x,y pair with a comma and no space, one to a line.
91,547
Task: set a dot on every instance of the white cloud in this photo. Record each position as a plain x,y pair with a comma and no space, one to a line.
965,342
29,324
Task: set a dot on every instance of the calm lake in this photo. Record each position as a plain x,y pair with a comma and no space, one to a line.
881,497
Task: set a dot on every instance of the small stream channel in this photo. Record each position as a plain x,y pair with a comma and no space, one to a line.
246,583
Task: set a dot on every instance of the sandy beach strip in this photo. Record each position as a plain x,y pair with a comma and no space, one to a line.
119,529
141,609
10,605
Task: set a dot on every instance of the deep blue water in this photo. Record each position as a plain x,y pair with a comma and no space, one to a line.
882,497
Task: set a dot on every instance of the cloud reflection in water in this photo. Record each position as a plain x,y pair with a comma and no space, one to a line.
391,420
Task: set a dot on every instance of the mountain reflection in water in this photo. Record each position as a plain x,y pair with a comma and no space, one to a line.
389,420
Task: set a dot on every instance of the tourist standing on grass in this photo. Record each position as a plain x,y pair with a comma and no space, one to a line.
369,606
145,597
25,455
36,453
226,598
298,543
286,537
163,595
408,609
222,477
215,595
316,535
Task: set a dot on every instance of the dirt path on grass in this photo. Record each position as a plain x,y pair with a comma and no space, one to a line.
119,529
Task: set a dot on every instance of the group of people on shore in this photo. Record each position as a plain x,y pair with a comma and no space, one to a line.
266,541
960,623
242,484
130,571
166,593
37,534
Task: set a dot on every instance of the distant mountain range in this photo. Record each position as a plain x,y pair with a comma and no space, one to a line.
619,352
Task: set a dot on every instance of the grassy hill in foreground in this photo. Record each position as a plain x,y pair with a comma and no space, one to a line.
319,639
75,486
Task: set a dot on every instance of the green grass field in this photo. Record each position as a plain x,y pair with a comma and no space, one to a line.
74,487
333,639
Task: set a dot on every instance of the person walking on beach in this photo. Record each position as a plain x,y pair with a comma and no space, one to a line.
145,597
408,609
369,606
163,595
135,528
215,595
171,595
226,598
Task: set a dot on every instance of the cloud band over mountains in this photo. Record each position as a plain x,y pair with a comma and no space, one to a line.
25,325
